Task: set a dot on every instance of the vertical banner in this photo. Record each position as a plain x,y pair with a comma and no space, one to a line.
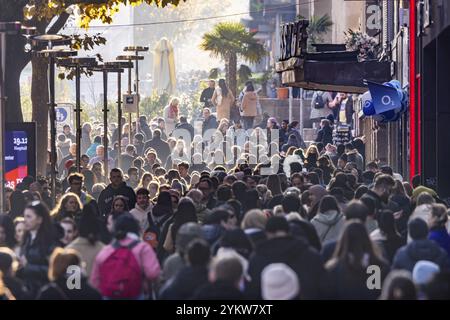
20,152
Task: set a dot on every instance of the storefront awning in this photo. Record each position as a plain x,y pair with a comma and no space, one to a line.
339,76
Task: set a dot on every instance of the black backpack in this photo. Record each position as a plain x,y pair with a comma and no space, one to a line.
319,103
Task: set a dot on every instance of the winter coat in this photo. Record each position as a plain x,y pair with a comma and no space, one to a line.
189,128
141,215
169,121
328,225
298,255
126,161
172,265
325,135
91,150
189,279
249,104
160,146
223,103
442,238
298,135
388,247
35,272
218,291
210,123
145,129
355,157
64,147
59,290
106,197
144,254
292,142
346,284
17,288
407,256
87,251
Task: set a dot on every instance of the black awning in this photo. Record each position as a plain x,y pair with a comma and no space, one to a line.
341,76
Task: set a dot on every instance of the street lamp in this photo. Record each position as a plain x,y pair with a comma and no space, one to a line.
51,53
131,58
119,66
6,28
77,63
136,50
105,69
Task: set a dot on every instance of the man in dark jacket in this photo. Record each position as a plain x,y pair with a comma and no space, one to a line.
380,193
115,188
144,128
207,94
192,276
296,253
160,146
420,248
185,126
210,121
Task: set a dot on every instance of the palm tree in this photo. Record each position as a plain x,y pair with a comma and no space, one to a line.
228,41
318,26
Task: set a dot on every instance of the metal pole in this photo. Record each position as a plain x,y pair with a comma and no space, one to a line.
129,114
137,92
51,86
119,114
78,114
290,104
105,121
301,111
2,117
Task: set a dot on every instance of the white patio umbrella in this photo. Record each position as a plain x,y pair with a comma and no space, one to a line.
164,67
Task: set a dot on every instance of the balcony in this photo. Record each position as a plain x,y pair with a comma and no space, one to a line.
325,70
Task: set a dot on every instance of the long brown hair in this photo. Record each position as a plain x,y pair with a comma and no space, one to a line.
352,248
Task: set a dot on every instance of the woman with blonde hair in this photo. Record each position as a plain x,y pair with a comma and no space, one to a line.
69,206
171,115
253,224
147,177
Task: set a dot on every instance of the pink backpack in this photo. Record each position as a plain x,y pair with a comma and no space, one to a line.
121,275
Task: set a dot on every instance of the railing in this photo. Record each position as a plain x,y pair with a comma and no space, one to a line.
294,38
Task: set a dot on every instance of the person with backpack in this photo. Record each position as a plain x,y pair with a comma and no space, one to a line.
125,268
320,105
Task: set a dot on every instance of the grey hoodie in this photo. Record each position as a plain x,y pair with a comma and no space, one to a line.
328,225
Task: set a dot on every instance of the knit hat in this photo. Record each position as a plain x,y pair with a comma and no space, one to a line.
424,272
421,189
418,229
279,282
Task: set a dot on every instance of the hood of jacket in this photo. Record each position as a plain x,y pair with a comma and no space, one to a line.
329,218
424,250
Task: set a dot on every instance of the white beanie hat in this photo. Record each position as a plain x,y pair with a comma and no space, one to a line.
424,271
279,282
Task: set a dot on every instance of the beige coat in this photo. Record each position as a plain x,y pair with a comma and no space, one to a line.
249,103
87,251
222,103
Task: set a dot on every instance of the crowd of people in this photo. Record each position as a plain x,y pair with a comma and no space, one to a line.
231,211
